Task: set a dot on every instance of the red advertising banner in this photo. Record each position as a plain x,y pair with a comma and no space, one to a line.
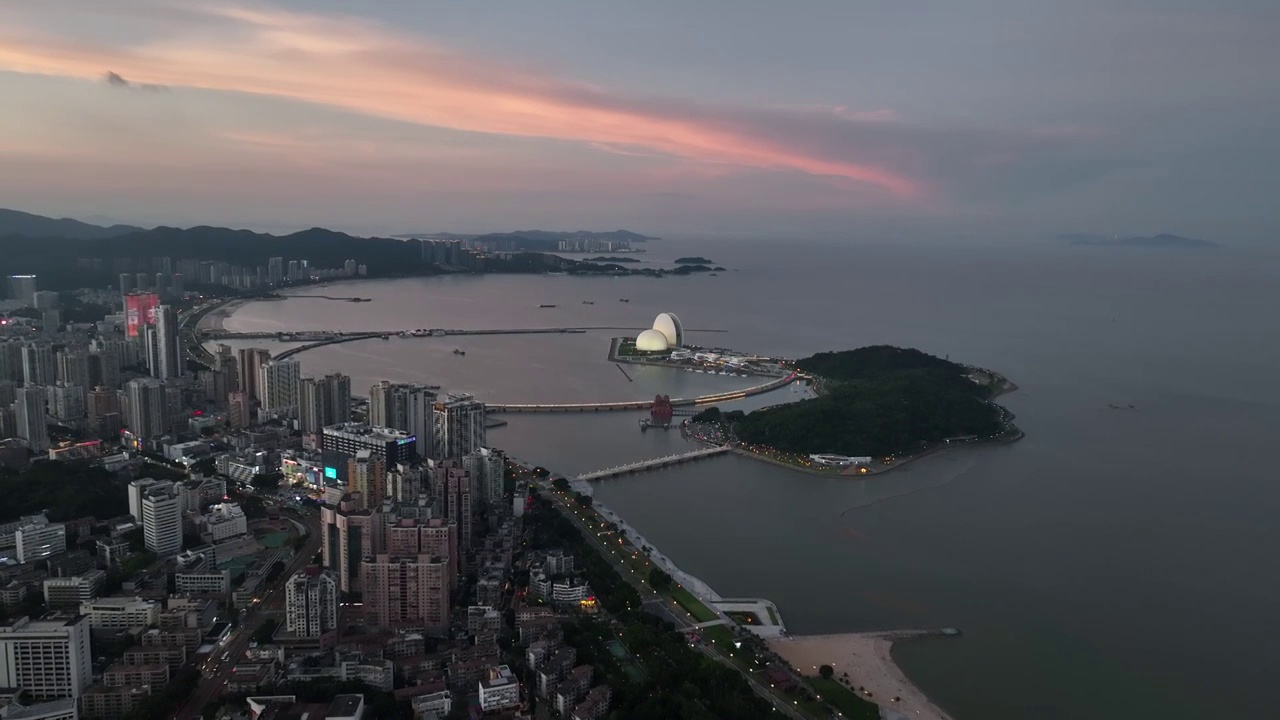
139,311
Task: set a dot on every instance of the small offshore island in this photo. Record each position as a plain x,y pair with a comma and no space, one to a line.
878,405
876,408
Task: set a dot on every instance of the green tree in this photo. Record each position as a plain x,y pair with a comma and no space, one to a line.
659,579
266,482
560,484
826,672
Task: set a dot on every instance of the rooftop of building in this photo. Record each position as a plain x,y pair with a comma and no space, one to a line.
365,430
498,677
49,622
52,708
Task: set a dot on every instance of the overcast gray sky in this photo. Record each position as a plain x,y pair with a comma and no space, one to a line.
801,119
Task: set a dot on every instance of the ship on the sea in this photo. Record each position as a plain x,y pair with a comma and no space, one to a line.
459,351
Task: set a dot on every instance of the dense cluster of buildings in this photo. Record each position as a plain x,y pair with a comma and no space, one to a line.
419,535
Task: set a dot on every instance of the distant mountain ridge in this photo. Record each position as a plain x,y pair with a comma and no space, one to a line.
1163,240
16,222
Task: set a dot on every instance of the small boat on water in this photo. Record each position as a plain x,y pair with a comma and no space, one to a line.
588,302
546,306
458,351
623,300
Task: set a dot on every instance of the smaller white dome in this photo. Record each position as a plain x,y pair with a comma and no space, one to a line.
652,341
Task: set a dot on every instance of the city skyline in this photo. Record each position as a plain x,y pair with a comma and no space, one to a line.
750,119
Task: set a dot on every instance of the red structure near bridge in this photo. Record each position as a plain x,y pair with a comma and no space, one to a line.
661,411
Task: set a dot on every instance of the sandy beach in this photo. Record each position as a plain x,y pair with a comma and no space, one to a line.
213,319
865,657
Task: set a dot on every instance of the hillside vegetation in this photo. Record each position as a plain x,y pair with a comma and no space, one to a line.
879,400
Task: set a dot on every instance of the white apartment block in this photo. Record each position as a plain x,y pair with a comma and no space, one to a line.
499,689
311,603
49,658
161,519
38,541
226,520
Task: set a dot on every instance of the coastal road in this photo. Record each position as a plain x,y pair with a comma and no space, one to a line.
216,672
653,601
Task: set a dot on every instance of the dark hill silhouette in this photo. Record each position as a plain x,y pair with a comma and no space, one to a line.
16,222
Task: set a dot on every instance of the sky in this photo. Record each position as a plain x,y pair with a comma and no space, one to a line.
752,118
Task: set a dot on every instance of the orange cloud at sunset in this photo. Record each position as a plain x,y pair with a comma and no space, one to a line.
366,69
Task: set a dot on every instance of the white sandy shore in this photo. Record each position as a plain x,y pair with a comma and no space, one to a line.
213,320
865,657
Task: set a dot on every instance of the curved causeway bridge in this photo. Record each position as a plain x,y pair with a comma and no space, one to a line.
773,384
654,463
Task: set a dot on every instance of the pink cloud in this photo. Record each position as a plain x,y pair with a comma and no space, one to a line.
362,68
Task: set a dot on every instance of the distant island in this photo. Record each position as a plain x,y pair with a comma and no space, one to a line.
696,260
1164,240
543,240
881,401
612,259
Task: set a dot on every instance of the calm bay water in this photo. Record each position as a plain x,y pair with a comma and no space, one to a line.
1114,564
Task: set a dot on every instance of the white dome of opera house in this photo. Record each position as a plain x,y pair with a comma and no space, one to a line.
666,333
669,325
652,341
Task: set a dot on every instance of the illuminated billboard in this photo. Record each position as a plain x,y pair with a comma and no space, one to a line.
407,441
139,311
331,473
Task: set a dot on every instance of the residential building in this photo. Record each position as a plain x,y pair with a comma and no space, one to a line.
49,658
280,384
250,361
404,483
200,490
161,518
120,613
38,367
69,593
488,469
311,603
73,367
367,475
66,405
407,591
136,488
23,287
440,703
164,355
405,406
595,705
454,483
29,416
38,541
459,426
239,405
226,520
348,533
146,407
499,690
112,703
100,402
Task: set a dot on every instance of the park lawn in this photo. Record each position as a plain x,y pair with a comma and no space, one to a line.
691,604
843,699
721,635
